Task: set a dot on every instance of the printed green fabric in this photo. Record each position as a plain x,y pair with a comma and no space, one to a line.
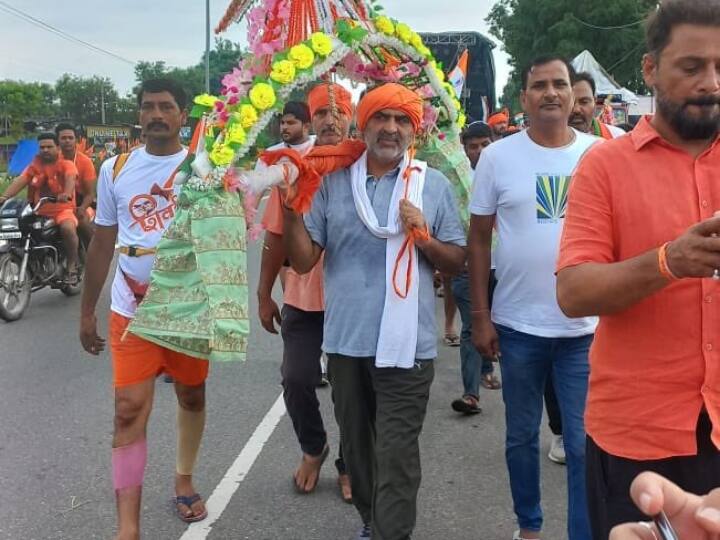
448,156
197,301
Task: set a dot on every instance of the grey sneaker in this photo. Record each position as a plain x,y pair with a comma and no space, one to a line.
363,533
557,450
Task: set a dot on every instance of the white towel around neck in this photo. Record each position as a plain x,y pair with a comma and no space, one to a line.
397,343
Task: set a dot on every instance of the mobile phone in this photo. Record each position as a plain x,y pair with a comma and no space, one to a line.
664,527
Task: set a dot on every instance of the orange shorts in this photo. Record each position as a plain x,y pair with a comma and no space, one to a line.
136,360
60,214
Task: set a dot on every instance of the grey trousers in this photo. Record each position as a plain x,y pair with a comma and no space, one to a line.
381,412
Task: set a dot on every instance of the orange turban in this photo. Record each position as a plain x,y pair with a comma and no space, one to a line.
390,96
498,118
319,98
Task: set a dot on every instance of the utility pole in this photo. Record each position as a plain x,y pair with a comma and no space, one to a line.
102,105
207,46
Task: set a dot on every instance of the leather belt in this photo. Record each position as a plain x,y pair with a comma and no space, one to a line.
132,251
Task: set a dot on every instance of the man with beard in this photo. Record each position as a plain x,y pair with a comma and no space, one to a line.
301,323
380,333
294,129
50,175
499,123
641,249
583,113
520,188
85,184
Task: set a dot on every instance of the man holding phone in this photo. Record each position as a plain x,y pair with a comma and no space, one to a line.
640,249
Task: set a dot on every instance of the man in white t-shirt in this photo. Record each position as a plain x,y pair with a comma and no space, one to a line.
521,185
135,205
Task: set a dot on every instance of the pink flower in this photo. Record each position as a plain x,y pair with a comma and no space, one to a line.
219,105
232,100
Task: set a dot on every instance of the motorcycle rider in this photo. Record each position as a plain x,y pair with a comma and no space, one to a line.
85,187
50,175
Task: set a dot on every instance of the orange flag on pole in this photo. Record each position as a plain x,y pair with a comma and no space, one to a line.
459,73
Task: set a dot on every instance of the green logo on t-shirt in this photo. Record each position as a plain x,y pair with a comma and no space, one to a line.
552,196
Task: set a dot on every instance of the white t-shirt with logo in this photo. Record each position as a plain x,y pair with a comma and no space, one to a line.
141,202
526,186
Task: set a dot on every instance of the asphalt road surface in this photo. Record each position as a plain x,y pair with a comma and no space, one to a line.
55,435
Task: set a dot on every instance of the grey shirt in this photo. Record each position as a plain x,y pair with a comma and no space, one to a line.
355,260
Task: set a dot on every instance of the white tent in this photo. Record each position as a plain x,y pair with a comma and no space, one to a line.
605,84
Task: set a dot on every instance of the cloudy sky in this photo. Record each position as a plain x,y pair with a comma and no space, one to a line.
167,30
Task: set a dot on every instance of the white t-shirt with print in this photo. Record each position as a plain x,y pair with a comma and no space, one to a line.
526,186
142,204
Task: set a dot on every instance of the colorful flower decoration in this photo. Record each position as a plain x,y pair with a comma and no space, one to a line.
283,72
301,56
262,96
321,44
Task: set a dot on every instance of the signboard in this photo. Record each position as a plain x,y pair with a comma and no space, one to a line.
108,132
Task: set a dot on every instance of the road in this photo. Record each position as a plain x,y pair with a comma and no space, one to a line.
55,434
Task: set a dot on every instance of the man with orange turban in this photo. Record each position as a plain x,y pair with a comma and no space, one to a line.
383,225
301,323
499,123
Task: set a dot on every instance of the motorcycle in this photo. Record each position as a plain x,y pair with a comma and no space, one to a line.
32,257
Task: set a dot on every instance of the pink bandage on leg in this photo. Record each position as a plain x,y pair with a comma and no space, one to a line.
128,465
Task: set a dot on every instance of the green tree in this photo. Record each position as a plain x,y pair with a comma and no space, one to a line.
82,100
223,58
21,102
530,28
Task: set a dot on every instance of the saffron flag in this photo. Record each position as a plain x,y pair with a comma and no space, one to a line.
459,73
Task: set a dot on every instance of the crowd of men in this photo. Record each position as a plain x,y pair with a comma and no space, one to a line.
589,276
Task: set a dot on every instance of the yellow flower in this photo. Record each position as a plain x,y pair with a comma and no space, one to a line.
449,88
235,134
461,120
302,56
385,25
440,74
422,49
415,40
221,155
321,43
262,96
283,71
247,115
403,31
457,104
205,100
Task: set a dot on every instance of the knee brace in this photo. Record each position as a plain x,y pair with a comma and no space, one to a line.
128,465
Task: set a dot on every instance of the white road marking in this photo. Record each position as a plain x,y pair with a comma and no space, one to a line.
237,472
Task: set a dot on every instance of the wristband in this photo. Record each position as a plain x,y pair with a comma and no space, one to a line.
663,264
